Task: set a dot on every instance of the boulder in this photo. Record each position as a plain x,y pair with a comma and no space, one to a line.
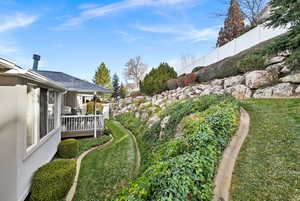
217,82
275,68
163,125
291,78
231,81
285,53
144,116
259,78
153,120
152,109
287,69
297,90
275,60
239,91
279,90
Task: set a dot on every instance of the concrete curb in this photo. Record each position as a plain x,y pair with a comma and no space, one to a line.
72,191
226,167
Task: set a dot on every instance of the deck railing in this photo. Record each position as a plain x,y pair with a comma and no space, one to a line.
77,123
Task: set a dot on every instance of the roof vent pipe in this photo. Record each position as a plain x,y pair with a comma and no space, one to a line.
36,59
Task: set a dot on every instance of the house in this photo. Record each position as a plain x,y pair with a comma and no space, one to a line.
32,124
30,128
75,121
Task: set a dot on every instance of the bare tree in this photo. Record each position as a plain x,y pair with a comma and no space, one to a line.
135,70
250,9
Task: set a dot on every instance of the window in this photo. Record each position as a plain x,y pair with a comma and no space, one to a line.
52,110
48,111
32,116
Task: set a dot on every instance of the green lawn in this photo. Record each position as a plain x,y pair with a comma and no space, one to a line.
104,172
268,167
87,143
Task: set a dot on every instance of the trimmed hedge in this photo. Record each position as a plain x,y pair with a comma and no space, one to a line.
53,181
184,169
68,148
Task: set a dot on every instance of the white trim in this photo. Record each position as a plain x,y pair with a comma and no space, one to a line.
41,142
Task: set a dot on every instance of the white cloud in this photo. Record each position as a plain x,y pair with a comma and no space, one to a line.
87,6
127,37
8,49
98,11
16,21
183,32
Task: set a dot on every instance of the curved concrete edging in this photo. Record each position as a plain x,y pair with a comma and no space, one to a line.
230,155
72,191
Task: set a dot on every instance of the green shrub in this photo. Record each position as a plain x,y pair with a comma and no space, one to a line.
68,148
155,81
90,107
251,62
53,181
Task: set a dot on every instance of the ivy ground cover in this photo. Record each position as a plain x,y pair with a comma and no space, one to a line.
268,167
178,169
106,171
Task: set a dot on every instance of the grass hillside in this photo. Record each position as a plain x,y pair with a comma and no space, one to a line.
268,167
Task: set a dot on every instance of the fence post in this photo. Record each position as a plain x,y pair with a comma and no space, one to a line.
95,119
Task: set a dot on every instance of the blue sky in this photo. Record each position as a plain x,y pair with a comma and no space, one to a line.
76,36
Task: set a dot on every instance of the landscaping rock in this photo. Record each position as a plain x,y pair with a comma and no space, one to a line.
153,120
275,68
279,90
297,90
236,80
259,78
239,91
285,53
217,82
287,69
275,60
291,79
163,126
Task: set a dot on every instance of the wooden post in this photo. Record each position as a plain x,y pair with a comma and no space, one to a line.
95,119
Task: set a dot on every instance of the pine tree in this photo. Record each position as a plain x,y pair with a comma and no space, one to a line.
116,86
234,24
102,76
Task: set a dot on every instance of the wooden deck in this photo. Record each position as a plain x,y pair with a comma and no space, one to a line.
78,134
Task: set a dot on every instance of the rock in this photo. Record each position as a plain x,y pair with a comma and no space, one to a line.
259,78
283,90
279,90
145,104
285,53
216,90
169,102
137,115
291,78
231,81
140,97
158,102
163,125
239,91
287,69
128,101
275,60
217,82
144,116
275,68
152,109
181,97
297,90
153,120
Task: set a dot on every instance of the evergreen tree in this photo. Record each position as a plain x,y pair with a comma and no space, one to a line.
234,24
155,81
102,76
116,86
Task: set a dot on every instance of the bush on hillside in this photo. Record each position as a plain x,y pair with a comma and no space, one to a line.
251,62
172,84
155,81
135,94
53,181
68,148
